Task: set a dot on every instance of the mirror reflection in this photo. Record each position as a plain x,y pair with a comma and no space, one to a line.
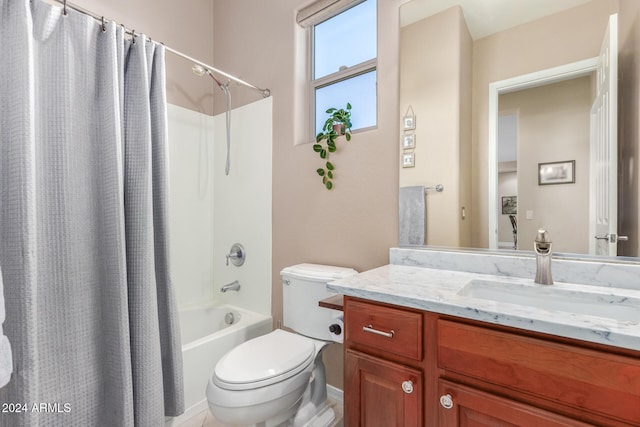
511,111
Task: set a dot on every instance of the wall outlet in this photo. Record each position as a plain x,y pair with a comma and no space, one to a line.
529,214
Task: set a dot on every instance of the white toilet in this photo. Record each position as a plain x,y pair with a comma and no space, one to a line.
278,379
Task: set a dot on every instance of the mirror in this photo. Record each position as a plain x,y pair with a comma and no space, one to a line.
470,73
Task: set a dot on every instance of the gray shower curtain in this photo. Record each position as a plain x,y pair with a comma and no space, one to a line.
90,312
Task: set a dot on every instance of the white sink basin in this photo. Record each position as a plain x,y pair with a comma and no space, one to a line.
555,298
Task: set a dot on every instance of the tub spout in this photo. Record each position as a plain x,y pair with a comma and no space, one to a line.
233,286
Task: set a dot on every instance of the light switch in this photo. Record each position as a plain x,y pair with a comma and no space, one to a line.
529,214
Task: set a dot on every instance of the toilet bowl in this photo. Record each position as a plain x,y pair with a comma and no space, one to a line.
246,390
278,379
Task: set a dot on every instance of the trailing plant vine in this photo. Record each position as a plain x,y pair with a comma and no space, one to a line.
337,124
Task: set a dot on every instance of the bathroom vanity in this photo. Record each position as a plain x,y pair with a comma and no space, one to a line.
428,344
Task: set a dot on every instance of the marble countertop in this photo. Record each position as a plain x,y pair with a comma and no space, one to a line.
441,291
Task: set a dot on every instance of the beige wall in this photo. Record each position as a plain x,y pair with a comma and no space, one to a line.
354,224
545,43
628,130
186,26
553,125
435,70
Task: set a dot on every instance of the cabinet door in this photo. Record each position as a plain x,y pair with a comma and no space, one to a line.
379,393
465,407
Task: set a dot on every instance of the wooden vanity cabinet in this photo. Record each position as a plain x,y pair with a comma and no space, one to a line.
384,365
469,373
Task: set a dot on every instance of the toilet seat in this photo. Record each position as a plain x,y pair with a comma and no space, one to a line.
266,360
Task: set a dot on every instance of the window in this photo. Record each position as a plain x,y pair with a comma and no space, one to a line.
344,58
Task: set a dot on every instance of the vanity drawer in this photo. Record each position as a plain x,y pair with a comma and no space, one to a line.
392,330
585,379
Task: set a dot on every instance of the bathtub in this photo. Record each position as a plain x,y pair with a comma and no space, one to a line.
206,337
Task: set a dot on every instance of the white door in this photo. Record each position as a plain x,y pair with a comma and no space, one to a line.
604,148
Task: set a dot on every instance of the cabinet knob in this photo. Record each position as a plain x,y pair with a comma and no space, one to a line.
407,387
446,401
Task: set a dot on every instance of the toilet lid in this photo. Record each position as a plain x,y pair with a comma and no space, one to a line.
275,356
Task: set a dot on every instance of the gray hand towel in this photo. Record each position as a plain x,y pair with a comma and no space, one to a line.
412,216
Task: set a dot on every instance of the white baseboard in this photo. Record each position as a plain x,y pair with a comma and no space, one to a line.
187,415
335,393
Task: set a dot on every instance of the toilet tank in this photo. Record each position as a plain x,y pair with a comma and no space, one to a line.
303,285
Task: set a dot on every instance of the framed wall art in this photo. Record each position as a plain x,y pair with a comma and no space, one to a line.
557,172
408,160
509,205
409,122
408,141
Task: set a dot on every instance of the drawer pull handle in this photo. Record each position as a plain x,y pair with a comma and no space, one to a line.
371,330
446,401
407,387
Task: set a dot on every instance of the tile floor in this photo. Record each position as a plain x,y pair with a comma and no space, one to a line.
203,419
206,419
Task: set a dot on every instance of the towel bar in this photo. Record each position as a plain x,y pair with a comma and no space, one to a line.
439,188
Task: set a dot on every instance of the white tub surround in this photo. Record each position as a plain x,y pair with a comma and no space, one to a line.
210,211
434,280
242,210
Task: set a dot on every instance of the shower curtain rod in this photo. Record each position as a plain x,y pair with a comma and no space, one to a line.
67,5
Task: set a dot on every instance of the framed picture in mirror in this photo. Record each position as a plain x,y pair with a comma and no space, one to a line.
509,205
557,172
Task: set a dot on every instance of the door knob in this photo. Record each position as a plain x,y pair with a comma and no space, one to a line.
612,238
446,401
407,387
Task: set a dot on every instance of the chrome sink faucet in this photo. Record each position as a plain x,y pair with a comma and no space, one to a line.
542,248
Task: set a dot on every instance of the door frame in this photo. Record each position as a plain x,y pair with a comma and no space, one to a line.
608,63
524,81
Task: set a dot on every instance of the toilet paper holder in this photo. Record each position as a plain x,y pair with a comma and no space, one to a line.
336,329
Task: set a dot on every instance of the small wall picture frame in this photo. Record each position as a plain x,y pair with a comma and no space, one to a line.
408,141
557,172
409,122
408,160
509,205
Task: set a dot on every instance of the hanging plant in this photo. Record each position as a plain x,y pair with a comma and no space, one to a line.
337,124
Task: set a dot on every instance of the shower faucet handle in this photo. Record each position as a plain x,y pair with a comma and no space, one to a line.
237,255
